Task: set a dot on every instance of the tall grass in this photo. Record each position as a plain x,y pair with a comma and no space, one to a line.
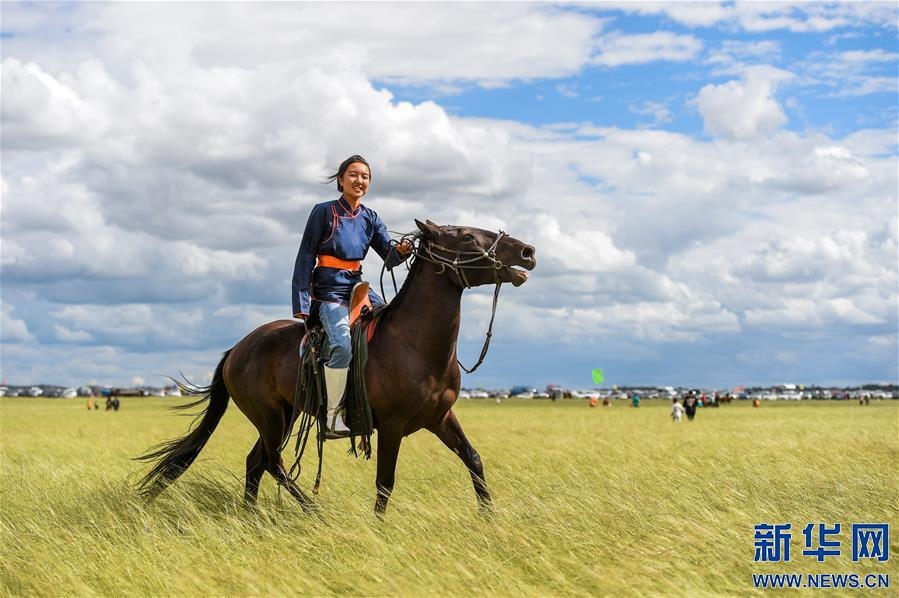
598,501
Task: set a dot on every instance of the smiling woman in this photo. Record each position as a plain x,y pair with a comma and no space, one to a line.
329,264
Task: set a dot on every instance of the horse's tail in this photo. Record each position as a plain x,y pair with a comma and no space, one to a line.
175,456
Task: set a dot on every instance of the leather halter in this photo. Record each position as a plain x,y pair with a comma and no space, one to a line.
458,263
460,260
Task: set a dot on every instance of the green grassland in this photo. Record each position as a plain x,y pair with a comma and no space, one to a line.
598,501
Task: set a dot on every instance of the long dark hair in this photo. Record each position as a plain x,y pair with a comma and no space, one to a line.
342,169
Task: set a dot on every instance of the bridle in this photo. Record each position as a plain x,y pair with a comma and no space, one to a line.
458,261
461,260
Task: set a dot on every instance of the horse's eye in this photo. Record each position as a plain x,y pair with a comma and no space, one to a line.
468,237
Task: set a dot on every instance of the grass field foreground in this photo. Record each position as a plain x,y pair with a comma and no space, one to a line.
599,501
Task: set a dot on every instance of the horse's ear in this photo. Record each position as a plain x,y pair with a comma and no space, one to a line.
430,230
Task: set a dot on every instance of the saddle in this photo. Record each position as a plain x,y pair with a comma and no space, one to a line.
311,388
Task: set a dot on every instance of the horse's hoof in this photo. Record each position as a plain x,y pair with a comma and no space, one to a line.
486,510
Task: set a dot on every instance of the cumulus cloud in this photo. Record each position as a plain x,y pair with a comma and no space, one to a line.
446,45
153,202
13,330
743,109
800,313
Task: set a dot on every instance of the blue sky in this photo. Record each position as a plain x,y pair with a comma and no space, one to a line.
711,187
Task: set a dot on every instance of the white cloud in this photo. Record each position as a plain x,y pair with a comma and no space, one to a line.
160,208
733,57
574,249
45,109
443,44
702,14
616,49
567,91
67,335
852,73
862,86
743,109
131,325
13,330
658,110
802,313
797,16
884,340
804,17
867,56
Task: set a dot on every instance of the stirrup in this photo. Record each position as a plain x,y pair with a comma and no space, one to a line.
332,432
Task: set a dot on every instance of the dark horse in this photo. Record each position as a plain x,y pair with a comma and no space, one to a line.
412,372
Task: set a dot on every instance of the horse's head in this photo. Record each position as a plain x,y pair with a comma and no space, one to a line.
476,256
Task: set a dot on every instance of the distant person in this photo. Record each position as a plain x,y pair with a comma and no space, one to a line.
607,402
115,404
690,405
635,401
90,404
677,410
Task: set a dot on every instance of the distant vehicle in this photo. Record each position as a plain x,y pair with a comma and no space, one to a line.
480,394
464,394
35,391
69,393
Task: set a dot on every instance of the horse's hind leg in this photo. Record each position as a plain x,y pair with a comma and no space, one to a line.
449,431
255,469
271,441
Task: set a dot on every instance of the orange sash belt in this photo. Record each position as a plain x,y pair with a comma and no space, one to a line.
329,261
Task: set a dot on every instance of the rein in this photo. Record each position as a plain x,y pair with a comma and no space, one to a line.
458,261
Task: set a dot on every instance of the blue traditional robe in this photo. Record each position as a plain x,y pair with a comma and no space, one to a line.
333,229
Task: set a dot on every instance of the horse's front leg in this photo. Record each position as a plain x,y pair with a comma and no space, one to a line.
388,451
450,432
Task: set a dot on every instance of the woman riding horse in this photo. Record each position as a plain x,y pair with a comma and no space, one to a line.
329,264
412,373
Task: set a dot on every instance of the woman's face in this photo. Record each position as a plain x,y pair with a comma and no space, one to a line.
355,181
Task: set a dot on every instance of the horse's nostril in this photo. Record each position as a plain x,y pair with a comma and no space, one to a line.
528,252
